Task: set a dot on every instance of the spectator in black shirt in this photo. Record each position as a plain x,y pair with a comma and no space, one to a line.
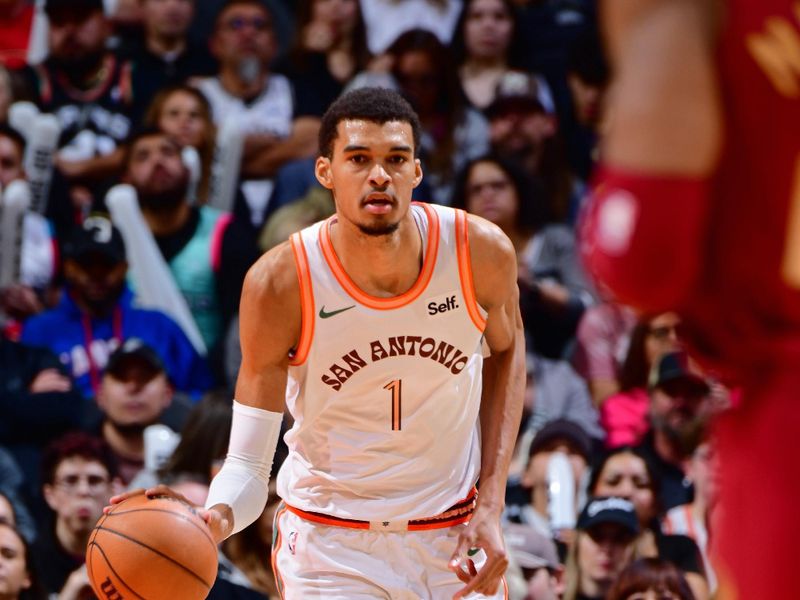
165,56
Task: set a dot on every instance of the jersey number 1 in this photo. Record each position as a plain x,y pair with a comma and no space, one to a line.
396,387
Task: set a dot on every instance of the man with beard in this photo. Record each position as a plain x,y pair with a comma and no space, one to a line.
679,412
165,56
85,85
79,475
205,250
96,315
523,130
244,42
135,392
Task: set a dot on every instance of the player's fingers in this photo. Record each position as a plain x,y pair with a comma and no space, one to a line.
163,490
465,542
121,498
487,579
217,523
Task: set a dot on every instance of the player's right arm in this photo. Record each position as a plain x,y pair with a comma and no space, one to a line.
269,328
643,228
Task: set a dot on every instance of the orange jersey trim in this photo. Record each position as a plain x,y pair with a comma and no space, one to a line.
460,512
306,301
368,300
276,547
465,271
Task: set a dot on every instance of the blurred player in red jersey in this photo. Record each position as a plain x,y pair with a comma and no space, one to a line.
697,207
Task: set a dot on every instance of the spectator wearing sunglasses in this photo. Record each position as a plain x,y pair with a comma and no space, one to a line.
245,44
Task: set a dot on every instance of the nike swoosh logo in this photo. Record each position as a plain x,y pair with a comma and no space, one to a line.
333,313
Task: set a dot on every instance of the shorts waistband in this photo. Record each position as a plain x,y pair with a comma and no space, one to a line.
459,513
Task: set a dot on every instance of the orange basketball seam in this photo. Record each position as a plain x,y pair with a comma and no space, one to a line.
156,551
171,512
114,571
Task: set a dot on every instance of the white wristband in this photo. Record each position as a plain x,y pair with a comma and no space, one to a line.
243,481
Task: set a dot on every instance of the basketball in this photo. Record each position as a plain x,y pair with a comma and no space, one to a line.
151,548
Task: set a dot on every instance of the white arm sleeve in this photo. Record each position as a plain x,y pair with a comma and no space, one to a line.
243,481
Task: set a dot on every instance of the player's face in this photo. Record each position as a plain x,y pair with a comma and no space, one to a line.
625,475
10,161
80,490
13,571
372,174
491,195
135,395
183,118
487,29
244,31
156,170
168,18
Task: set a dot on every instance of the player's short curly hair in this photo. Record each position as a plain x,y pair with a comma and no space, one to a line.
378,105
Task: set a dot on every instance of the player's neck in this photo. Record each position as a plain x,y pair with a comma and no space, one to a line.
382,266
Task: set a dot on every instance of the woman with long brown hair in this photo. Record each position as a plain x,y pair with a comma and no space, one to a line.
184,113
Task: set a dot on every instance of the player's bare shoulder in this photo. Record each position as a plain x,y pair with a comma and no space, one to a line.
494,262
271,299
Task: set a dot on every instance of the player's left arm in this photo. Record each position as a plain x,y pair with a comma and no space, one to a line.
494,269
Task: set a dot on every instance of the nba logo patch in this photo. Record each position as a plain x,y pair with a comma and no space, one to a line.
292,542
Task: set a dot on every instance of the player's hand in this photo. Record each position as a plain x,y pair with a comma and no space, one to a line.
483,532
218,518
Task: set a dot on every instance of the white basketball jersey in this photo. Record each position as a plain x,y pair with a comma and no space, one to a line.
385,392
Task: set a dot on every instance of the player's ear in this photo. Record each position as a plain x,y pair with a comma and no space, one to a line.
322,169
417,172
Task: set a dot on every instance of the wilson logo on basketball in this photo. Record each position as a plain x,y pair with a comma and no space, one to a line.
109,591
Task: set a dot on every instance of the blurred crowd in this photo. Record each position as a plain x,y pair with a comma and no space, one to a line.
194,125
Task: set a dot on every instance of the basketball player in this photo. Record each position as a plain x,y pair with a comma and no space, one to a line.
372,326
698,208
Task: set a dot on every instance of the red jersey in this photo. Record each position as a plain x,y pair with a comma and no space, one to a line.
749,299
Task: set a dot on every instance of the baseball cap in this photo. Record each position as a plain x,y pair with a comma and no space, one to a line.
133,348
96,235
609,509
562,429
530,548
522,92
73,6
677,367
